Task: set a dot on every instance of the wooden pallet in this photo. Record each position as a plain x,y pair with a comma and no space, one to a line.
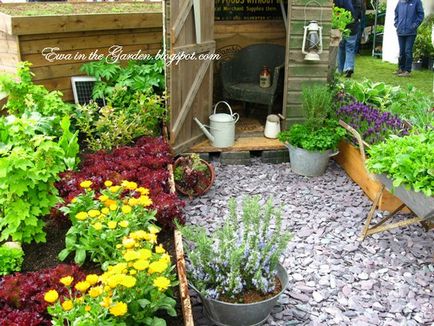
255,143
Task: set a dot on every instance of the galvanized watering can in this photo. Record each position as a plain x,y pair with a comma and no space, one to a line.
222,127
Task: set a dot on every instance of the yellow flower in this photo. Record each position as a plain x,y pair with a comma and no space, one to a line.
141,264
162,283
94,213
158,267
138,235
143,191
51,296
112,224
124,183
133,201
97,226
145,201
131,255
67,280
128,242
153,229
131,185
165,257
81,216
159,249
92,279
80,300
67,305
87,308
126,209
105,210
114,189
119,309
144,253
96,291
74,200
128,281
86,184
108,183
109,202
124,223
82,286
133,272
113,207
103,198
114,280
106,302
152,238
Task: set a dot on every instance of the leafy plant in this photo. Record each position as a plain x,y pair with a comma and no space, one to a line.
11,259
241,255
408,161
423,47
317,104
144,163
130,292
340,19
30,163
100,222
191,174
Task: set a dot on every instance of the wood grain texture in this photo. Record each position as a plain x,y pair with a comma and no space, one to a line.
241,144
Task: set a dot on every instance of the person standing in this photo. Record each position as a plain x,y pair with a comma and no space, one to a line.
346,51
408,16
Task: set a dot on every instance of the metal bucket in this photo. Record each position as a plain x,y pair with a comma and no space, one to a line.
309,163
251,314
222,126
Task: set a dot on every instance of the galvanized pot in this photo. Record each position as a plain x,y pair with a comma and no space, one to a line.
309,163
240,314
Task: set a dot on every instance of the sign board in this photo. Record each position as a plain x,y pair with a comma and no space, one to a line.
248,9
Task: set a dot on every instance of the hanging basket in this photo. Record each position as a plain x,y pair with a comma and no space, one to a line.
201,189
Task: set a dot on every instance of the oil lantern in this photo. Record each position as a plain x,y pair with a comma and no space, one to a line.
312,41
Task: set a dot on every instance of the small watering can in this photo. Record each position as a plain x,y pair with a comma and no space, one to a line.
272,126
222,127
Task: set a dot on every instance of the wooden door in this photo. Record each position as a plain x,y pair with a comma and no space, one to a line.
189,29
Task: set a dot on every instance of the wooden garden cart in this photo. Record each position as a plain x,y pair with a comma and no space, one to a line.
420,206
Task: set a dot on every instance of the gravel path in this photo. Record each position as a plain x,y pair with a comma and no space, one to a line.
334,279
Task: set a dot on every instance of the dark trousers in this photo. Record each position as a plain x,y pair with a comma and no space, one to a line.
406,52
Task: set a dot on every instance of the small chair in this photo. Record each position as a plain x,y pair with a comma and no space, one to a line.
240,76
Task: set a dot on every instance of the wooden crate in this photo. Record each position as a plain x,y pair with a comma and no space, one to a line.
350,160
24,38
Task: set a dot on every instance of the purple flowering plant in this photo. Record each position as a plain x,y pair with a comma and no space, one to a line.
373,125
241,255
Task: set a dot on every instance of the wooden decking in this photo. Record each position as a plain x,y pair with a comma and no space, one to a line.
254,143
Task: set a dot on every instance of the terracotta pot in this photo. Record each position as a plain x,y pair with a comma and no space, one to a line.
212,176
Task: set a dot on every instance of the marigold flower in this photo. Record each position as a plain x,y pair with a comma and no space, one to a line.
157,267
162,283
51,296
153,229
131,185
112,224
67,280
165,257
145,201
67,305
126,209
81,216
119,309
133,272
82,286
86,184
105,211
97,226
92,279
144,253
108,183
113,207
124,223
93,213
74,200
128,242
106,302
87,308
152,238
114,189
143,191
138,235
96,291
159,249
103,198
109,202
133,201
128,281
131,255
141,264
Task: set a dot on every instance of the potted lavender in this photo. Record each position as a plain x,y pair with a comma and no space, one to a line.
236,269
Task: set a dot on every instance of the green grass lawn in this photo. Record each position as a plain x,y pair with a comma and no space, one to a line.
377,70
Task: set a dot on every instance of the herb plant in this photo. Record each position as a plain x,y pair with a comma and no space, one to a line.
407,160
191,175
241,255
30,163
11,259
340,19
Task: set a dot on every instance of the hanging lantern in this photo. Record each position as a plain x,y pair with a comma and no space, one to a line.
312,41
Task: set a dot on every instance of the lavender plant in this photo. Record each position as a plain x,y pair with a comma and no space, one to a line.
241,255
373,124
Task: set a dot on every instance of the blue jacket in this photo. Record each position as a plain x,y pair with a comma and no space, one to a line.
408,16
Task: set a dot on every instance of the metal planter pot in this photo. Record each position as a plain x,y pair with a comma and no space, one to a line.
421,205
251,314
309,163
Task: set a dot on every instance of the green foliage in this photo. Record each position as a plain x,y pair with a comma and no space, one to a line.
240,255
25,96
11,259
30,162
340,19
317,104
408,161
423,47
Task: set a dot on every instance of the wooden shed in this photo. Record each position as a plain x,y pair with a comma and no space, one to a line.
198,26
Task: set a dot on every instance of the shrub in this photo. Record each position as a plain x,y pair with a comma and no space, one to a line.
11,259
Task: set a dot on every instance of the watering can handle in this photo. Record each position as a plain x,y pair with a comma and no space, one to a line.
227,104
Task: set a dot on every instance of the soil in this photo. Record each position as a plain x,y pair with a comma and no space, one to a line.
54,9
252,296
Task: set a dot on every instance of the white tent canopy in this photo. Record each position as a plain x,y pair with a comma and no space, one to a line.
390,39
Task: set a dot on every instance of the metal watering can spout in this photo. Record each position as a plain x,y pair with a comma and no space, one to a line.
205,131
